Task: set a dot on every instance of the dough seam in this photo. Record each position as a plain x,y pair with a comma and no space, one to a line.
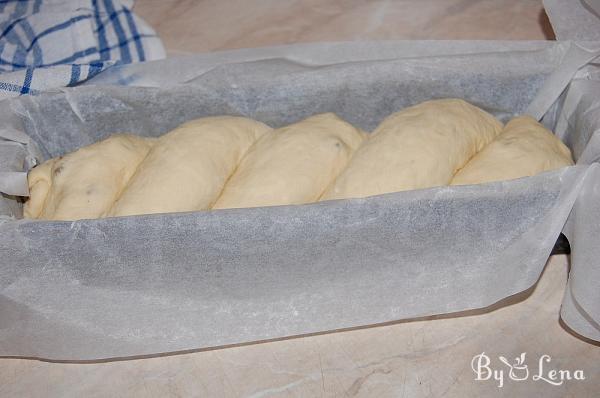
120,193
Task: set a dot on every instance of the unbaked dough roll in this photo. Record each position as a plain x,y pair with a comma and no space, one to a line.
39,180
524,148
85,183
187,168
293,164
419,147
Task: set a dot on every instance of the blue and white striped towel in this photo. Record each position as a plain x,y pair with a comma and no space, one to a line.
58,43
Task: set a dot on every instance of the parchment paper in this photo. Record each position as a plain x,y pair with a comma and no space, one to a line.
151,284
574,19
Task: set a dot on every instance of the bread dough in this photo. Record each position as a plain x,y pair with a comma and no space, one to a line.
39,180
419,147
187,168
293,164
85,183
524,148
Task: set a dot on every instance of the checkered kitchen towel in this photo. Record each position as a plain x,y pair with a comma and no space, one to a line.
46,44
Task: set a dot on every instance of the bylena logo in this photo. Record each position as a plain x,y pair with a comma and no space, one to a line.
518,370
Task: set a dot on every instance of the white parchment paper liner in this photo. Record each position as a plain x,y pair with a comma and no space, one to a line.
574,19
150,284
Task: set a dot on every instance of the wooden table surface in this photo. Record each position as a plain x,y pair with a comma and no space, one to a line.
188,26
418,358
